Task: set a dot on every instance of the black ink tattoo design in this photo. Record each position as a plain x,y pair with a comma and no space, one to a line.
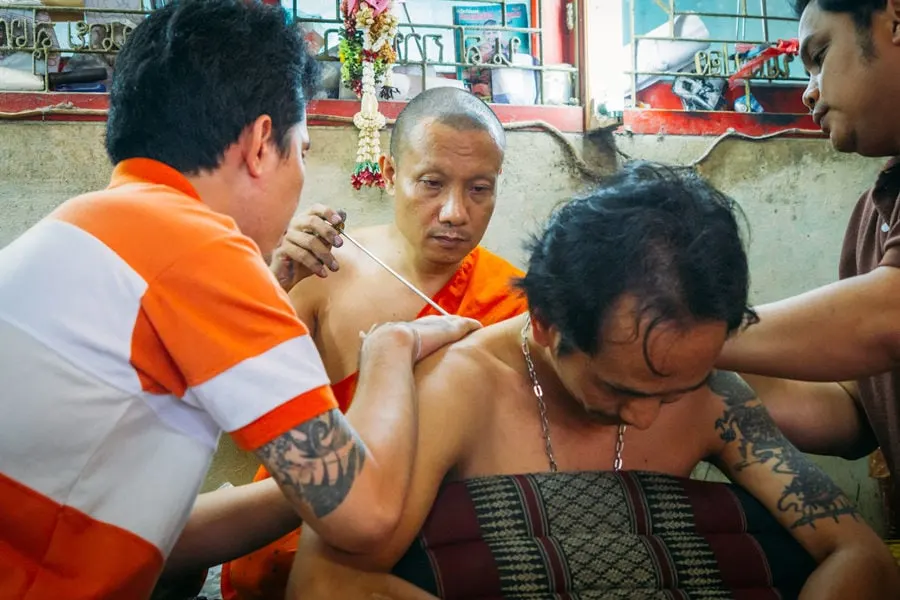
810,493
318,461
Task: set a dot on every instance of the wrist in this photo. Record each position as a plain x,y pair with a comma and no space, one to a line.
285,272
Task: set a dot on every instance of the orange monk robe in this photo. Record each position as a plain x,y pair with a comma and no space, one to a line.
481,289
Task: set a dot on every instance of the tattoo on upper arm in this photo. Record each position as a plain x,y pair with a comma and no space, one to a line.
318,461
810,494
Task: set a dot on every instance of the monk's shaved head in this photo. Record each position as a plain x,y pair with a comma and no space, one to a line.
448,106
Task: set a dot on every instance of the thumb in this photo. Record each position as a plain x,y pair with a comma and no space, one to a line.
466,324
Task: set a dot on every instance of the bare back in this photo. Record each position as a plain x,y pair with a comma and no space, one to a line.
358,296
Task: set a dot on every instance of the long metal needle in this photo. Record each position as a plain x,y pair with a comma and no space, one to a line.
399,277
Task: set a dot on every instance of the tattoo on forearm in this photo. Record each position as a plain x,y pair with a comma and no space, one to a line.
811,494
318,461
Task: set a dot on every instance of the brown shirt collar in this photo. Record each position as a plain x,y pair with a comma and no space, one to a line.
887,189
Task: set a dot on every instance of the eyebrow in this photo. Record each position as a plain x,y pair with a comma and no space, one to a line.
639,394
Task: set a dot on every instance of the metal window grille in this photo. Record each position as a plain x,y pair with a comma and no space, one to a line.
460,48
494,48
693,42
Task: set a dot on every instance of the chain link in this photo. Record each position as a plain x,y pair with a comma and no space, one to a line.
542,408
539,394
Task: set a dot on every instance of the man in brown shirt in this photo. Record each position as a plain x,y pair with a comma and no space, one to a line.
849,330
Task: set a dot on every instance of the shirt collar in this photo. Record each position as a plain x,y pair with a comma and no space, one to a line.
886,190
146,170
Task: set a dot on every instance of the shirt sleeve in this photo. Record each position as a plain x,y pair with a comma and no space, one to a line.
245,357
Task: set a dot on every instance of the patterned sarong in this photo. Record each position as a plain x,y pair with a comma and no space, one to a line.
603,535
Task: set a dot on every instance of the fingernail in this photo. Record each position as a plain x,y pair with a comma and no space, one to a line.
333,265
338,241
335,219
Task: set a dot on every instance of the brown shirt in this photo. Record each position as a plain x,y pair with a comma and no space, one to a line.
873,239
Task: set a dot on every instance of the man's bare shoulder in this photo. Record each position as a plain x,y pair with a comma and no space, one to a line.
463,370
315,289
697,413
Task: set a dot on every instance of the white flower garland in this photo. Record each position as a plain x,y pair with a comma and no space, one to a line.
369,120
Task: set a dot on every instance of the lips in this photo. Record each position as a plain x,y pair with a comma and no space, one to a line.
817,116
448,241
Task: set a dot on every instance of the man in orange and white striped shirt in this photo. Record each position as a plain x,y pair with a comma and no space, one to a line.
140,321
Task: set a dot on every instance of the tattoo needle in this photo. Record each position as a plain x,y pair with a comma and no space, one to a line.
340,229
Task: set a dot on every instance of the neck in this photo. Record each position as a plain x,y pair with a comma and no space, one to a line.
215,191
421,269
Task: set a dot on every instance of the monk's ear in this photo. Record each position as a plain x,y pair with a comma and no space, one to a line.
388,171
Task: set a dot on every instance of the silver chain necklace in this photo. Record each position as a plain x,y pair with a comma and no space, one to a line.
542,407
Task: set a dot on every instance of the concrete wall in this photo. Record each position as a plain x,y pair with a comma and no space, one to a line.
797,195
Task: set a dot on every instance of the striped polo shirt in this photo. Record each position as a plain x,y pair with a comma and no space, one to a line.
136,324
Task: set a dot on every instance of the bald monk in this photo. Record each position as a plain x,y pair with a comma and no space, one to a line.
555,448
445,159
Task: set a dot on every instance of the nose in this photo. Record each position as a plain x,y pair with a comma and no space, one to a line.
640,414
453,211
811,94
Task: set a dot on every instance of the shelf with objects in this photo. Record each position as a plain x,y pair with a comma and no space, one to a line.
57,56
697,69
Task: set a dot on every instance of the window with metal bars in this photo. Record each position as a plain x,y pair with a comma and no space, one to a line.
734,58
512,53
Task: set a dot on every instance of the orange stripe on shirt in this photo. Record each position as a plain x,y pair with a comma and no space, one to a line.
49,551
284,418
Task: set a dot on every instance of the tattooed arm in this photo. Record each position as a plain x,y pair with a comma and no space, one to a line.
349,485
853,561
817,417
452,384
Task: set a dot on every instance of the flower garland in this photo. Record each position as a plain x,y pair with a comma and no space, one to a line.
367,54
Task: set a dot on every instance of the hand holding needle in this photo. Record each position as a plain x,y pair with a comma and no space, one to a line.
340,229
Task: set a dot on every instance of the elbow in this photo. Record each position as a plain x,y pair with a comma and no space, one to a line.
364,523
375,529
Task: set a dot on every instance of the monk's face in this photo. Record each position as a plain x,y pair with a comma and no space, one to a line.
639,369
445,188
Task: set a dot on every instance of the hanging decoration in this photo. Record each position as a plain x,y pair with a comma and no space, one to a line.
367,56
